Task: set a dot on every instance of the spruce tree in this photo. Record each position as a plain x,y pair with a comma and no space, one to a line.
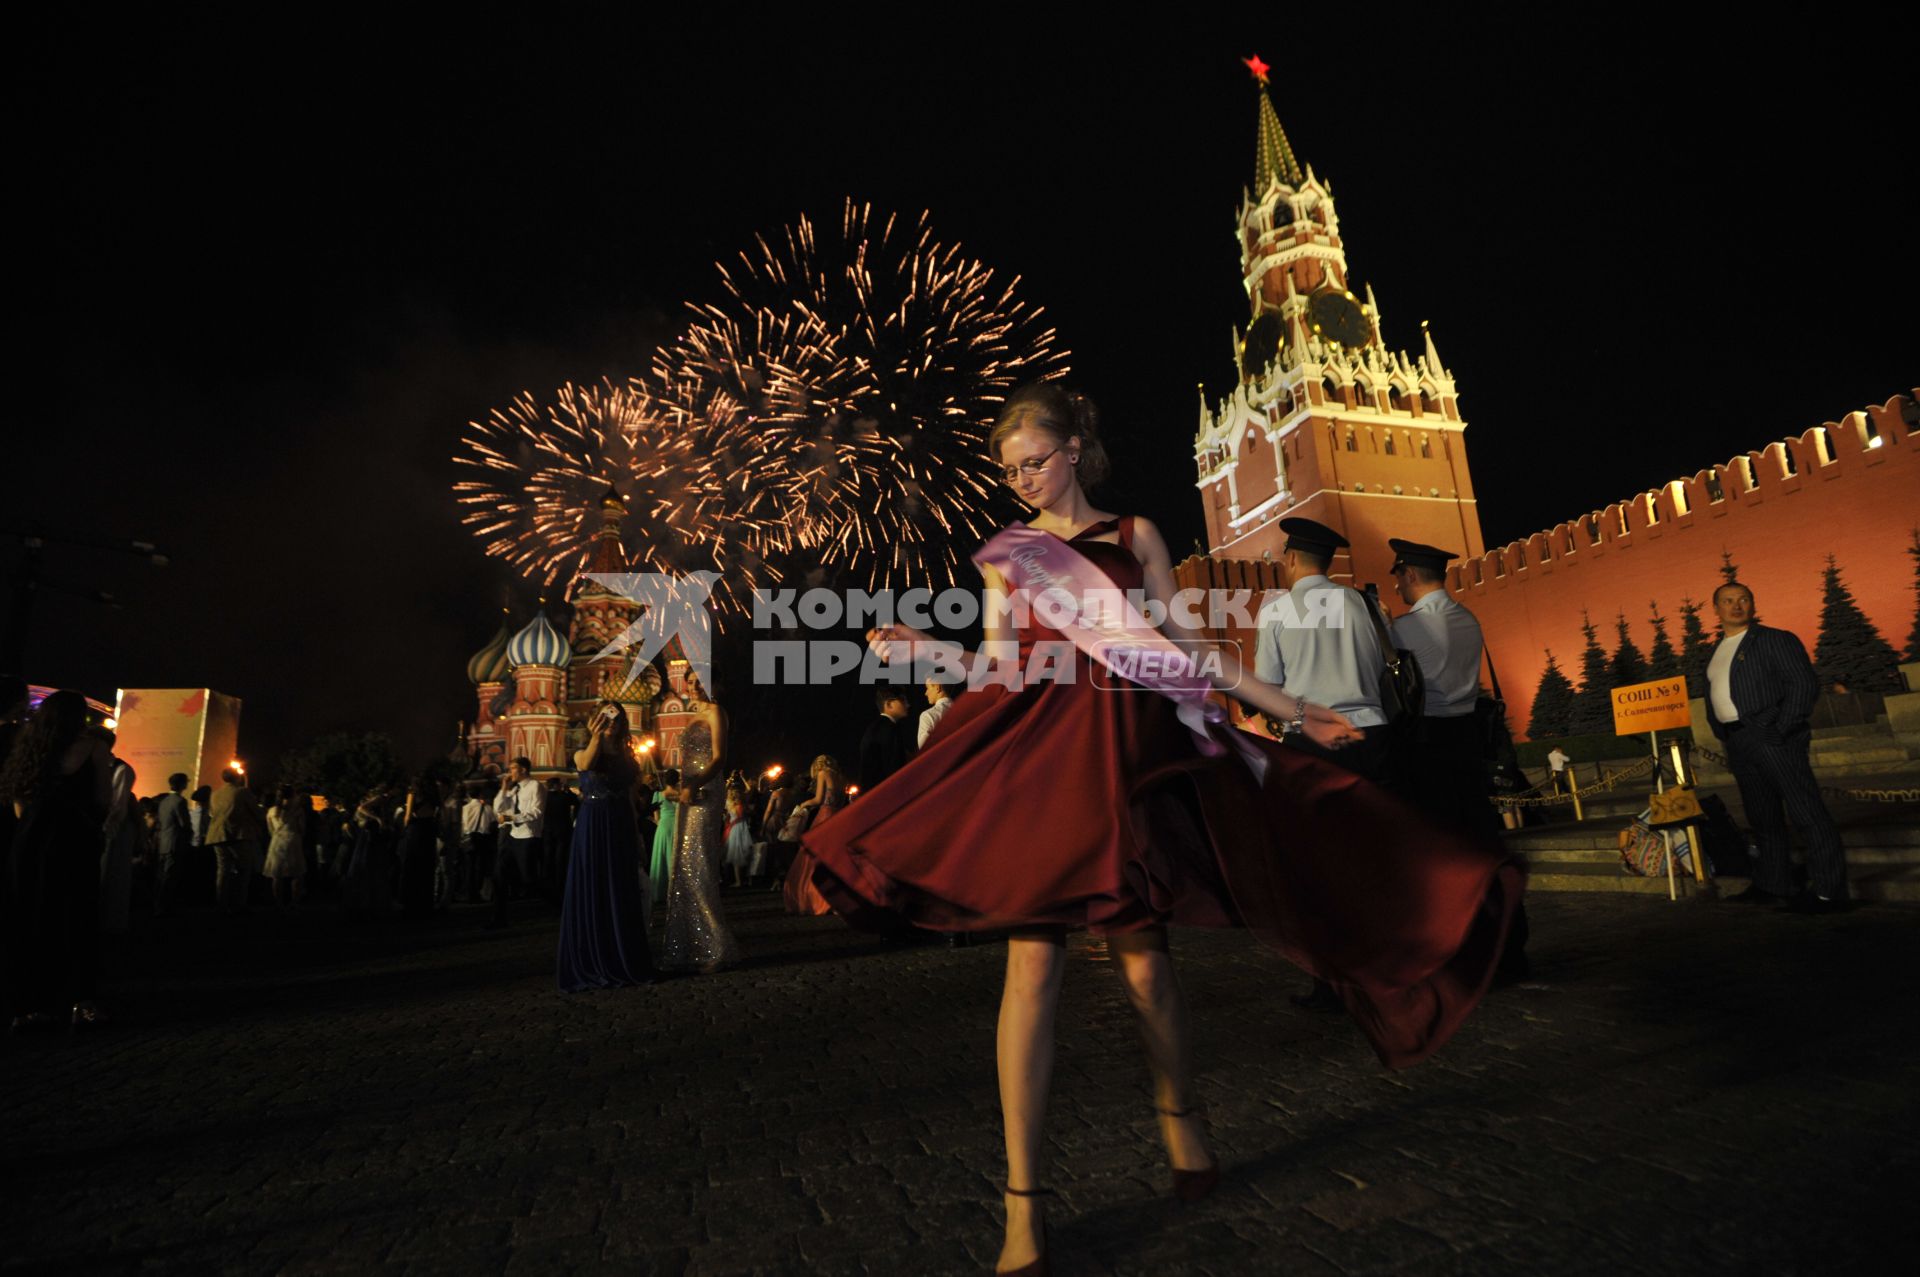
1552,703
1695,651
1913,635
1730,571
1627,666
1662,660
1850,651
1593,703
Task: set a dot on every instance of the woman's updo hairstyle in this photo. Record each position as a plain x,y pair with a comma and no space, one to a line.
1062,413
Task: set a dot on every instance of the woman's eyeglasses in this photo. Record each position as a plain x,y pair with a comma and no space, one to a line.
1033,467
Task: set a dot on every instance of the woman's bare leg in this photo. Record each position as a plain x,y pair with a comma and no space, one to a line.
1147,971
1024,1048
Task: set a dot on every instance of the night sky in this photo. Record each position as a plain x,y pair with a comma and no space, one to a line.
271,273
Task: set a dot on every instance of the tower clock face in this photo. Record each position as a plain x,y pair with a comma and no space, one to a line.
1337,318
1263,342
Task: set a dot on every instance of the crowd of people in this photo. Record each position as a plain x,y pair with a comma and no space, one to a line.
1355,835
84,855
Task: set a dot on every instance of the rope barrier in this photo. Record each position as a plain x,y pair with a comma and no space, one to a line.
1534,798
1640,768
1831,791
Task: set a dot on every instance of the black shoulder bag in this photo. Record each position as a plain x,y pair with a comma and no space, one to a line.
1403,685
1496,742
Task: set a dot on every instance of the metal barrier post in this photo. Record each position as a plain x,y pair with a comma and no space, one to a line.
1683,775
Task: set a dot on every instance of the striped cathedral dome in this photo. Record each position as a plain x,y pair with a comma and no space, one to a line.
538,644
489,664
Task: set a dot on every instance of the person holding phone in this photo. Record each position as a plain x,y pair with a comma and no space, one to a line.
603,922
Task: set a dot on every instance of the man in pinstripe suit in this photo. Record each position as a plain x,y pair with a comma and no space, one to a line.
1760,689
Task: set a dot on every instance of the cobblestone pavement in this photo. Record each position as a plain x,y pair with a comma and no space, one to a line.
1685,1088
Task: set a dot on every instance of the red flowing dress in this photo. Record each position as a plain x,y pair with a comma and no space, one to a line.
1087,803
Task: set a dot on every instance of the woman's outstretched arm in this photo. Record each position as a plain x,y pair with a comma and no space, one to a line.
1220,664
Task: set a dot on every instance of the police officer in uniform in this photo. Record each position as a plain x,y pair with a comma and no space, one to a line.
1319,642
1445,772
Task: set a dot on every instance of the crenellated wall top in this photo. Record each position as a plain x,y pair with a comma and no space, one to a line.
1872,436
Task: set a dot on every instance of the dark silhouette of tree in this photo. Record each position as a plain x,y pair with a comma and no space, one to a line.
1593,703
344,766
1730,571
1552,703
1851,652
1695,651
1662,660
1627,665
1913,635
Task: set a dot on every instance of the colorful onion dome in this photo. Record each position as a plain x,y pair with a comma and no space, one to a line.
489,664
538,644
637,690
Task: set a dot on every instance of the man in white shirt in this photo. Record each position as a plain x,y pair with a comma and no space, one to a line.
1446,764
1760,689
478,836
1318,642
1558,760
518,807
938,702
172,835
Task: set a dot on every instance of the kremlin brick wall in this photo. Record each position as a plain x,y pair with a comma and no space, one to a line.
1849,488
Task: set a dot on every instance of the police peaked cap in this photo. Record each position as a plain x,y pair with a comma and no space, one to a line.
1312,536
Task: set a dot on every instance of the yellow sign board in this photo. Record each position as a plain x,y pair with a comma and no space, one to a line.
194,730
1651,707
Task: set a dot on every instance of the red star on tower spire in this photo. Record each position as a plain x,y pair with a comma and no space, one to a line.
1259,68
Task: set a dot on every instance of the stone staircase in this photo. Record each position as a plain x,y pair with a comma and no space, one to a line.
1843,754
1882,839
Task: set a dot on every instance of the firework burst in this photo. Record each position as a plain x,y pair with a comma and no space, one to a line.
536,474
852,380
831,409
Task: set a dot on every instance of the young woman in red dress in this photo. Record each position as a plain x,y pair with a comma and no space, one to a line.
1112,816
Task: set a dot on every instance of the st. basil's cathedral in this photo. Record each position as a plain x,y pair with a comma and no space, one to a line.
536,688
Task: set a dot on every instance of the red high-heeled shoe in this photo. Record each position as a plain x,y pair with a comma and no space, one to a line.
1039,1267
1191,1186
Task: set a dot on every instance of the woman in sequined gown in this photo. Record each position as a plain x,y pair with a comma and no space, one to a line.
697,935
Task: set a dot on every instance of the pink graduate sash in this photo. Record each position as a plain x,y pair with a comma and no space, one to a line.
1068,592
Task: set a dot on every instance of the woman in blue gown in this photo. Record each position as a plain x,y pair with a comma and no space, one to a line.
603,925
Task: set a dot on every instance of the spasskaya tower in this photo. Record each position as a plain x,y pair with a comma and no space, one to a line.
1325,420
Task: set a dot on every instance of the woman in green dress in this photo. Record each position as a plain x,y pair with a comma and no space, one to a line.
665,835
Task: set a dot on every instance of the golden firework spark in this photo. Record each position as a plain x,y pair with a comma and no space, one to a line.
854,381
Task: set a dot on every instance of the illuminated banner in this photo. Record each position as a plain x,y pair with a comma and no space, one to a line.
195,730
1651,707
